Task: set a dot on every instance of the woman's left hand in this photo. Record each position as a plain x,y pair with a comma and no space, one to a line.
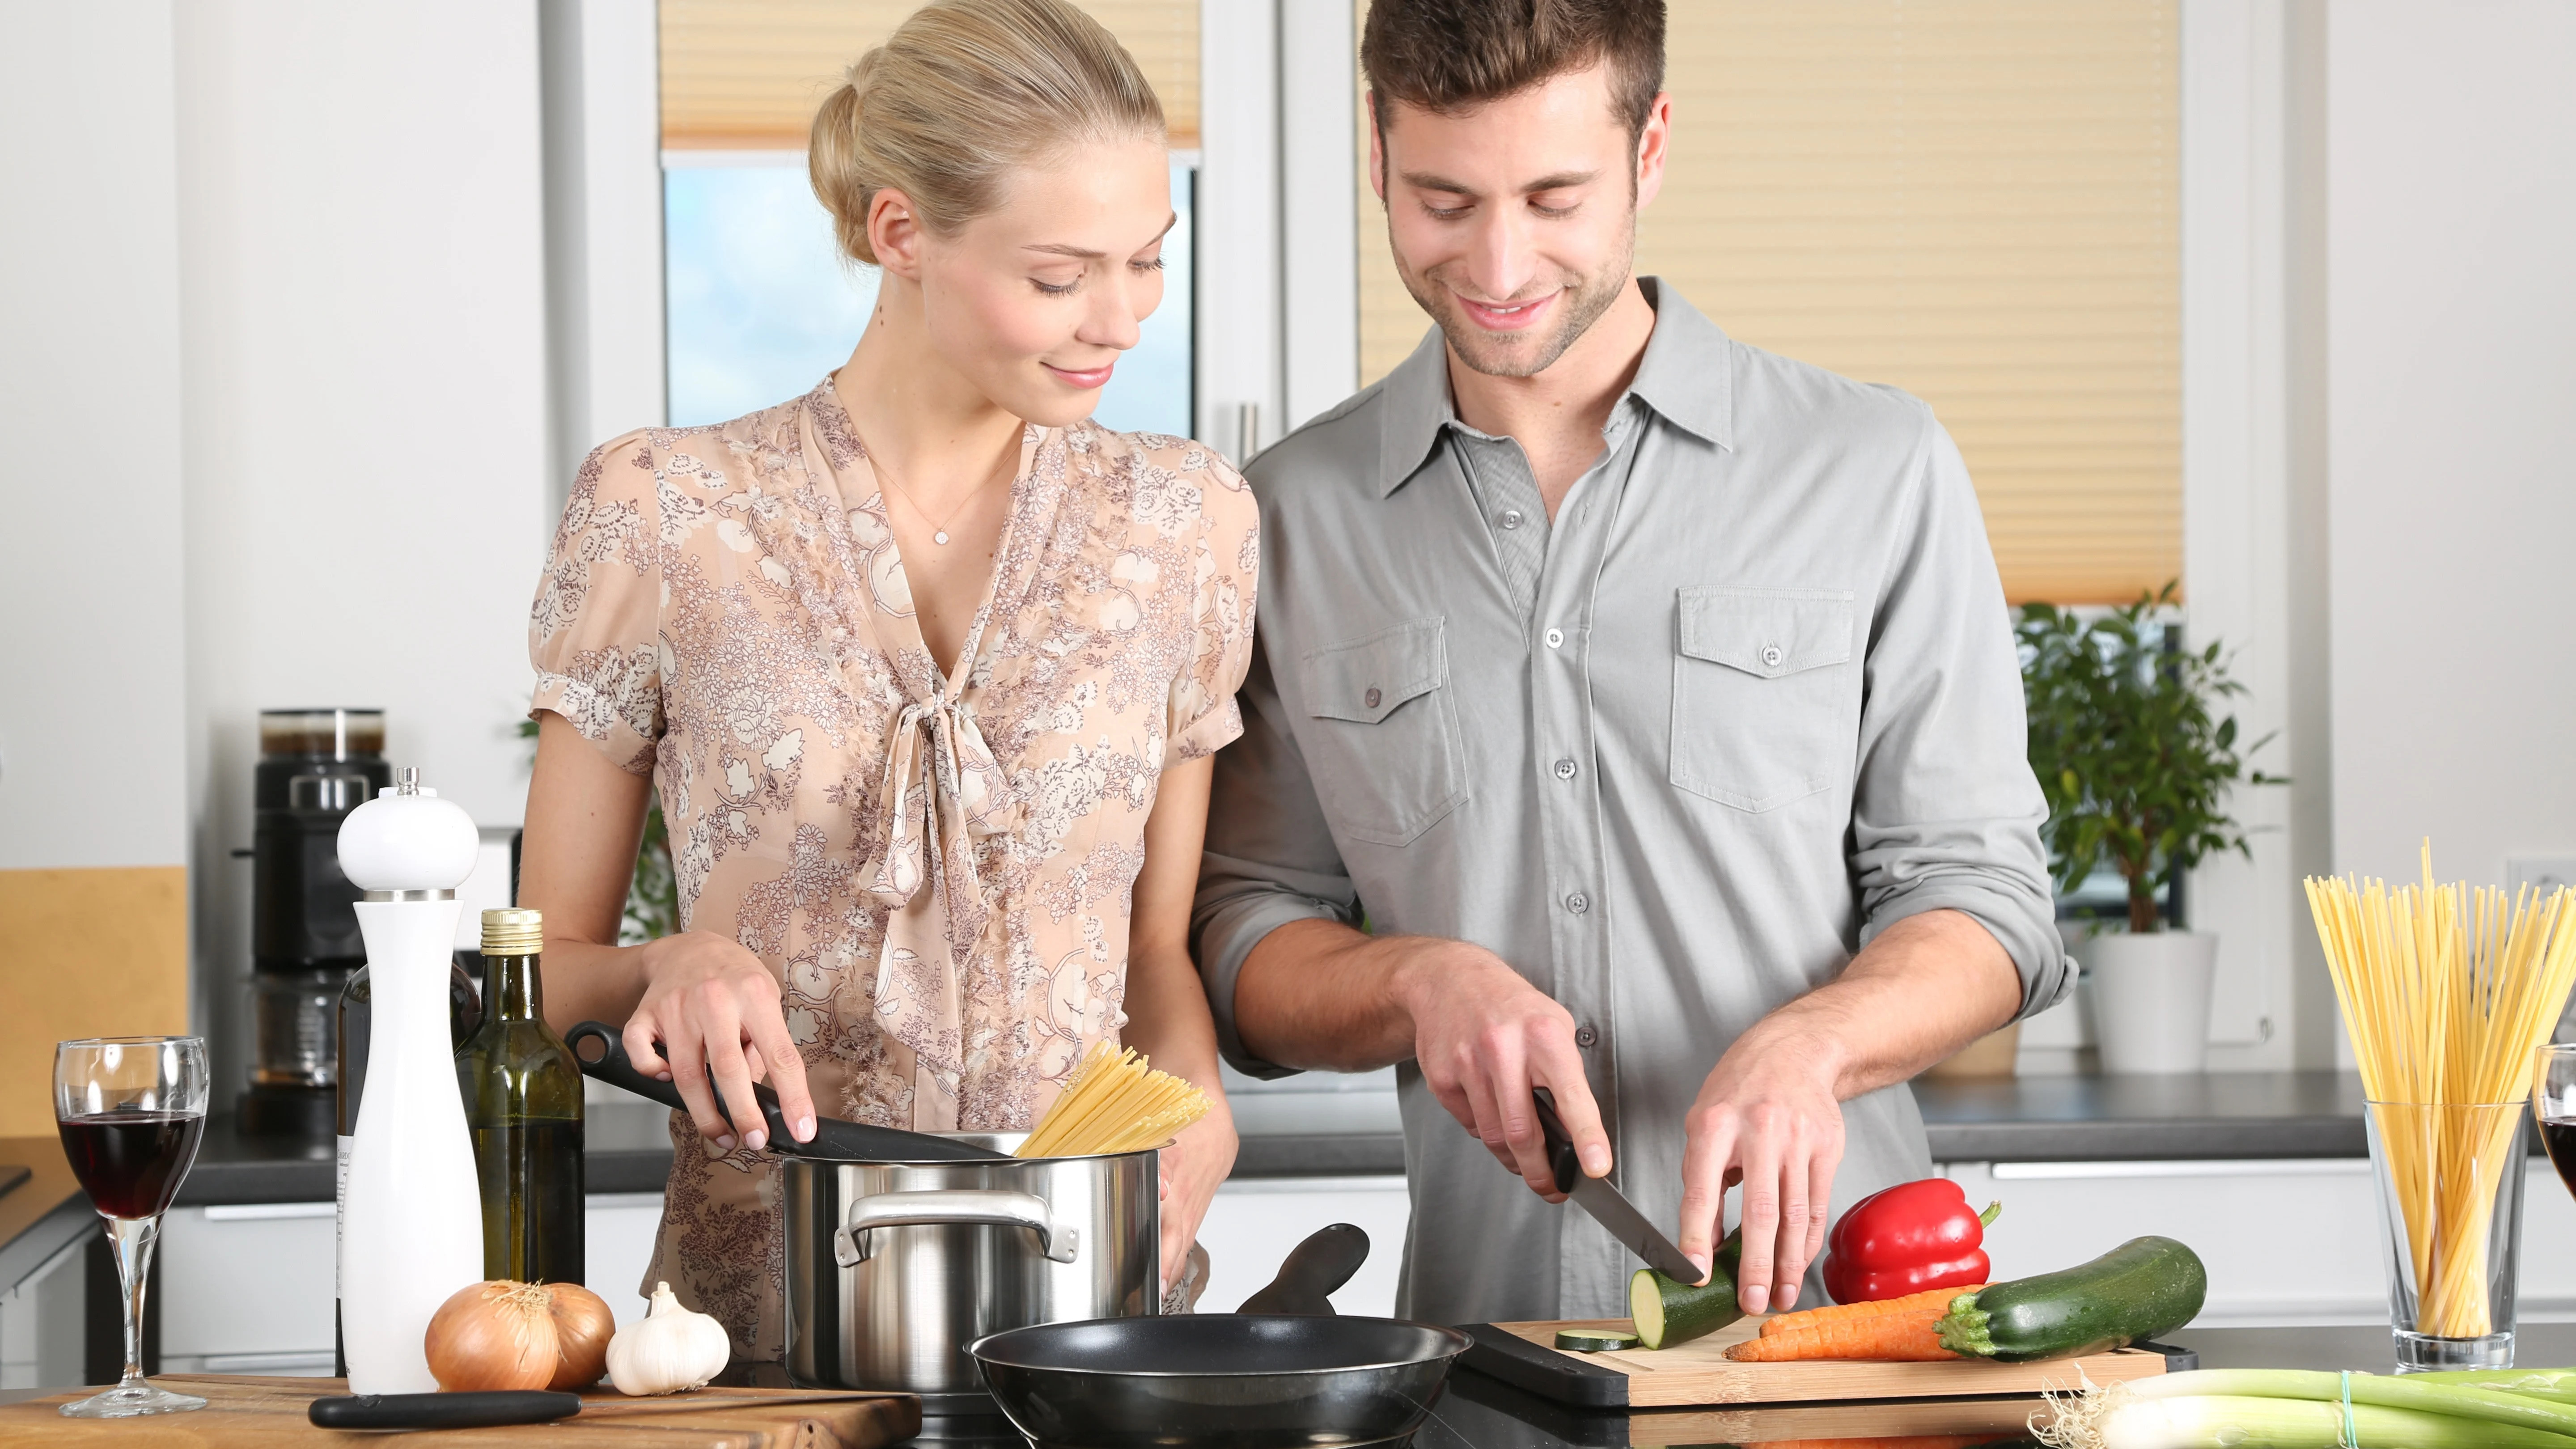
1193,1166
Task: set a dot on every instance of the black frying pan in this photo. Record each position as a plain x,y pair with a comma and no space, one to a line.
602,1054
1287,1373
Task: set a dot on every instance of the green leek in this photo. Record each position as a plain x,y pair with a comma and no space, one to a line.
2406,1392
2214,1421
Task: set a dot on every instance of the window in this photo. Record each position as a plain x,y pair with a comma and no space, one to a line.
1975,200
759,303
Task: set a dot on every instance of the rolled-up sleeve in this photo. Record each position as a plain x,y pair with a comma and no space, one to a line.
1946,814
1270,857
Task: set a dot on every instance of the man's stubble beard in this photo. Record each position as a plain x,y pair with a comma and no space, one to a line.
1483,351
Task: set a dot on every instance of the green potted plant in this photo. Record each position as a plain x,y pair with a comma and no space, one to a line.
2137,768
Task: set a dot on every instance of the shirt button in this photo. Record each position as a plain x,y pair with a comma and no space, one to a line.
1511,518
1771,656
1578,903
1585,1036
1565,769
1372,697
1556,638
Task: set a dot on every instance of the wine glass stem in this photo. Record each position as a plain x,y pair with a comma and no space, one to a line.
132,1239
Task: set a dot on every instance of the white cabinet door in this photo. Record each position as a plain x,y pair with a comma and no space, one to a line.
247,1289
1254,1222
2287,1242
617,1248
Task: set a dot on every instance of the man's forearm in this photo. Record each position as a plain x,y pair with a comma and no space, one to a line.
1318,994
1925,987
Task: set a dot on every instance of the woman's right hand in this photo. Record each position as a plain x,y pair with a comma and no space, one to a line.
711,1008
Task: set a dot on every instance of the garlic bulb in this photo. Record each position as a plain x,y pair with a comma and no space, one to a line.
669,1350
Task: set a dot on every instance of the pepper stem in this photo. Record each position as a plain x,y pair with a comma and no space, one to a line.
1993,1211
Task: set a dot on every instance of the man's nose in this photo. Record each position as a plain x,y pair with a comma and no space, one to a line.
1500,254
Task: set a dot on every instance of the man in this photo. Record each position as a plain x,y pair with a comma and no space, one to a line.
1636,716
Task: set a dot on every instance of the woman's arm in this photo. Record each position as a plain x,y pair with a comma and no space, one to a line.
701,998
1167,1010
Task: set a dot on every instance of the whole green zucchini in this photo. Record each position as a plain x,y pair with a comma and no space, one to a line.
2144,1287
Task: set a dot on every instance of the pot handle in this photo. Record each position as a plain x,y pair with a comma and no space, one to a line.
946,1208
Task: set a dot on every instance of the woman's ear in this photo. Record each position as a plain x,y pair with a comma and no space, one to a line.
894,233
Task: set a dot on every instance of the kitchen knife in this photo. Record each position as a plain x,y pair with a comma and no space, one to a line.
479,1409
1596,1196
834,1140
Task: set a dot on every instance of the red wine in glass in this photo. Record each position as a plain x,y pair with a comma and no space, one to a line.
2560,1139
131,1163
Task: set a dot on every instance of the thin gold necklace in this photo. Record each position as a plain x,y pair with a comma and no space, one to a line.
938,528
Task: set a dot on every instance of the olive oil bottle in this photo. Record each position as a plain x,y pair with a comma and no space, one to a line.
523,1105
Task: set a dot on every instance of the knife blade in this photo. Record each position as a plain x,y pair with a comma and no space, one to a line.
1607,1207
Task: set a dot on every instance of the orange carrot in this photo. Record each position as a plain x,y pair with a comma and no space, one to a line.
1837,1312
1907,1337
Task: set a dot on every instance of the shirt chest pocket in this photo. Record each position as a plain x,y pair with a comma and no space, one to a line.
1381,737
1763,695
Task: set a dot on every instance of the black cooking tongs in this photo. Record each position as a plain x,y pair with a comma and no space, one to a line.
602,1054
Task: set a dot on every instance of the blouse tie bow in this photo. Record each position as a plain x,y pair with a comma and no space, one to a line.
943,793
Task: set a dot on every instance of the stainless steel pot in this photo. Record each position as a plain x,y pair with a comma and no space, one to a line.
894,1267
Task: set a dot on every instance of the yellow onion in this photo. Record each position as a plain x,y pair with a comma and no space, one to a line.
583,1326
495,1335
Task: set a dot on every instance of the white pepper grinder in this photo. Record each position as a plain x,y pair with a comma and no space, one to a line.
413,1228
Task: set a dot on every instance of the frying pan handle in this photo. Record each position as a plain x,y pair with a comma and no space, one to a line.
614,1067
1311,1273
956,1207
1560,1143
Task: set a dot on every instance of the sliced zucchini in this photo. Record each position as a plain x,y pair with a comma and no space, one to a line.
1594,1340
1670,1313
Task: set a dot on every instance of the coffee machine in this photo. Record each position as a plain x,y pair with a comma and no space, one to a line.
315,766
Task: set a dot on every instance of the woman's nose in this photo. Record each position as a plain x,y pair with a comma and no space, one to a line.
1115,319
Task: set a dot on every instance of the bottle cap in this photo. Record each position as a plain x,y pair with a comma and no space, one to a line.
513,931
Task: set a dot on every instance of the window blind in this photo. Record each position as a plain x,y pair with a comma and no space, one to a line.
1974,200
747,74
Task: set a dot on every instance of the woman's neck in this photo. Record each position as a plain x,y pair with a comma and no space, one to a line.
922,420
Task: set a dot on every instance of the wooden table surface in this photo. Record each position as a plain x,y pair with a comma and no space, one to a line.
252,1413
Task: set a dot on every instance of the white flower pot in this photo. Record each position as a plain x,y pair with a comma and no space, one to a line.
2151,999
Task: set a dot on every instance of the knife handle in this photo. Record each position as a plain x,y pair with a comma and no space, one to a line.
1560,1145
475,1410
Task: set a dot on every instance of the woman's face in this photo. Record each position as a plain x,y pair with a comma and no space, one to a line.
1033,301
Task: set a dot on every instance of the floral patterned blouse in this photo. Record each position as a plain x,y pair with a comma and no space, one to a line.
938,870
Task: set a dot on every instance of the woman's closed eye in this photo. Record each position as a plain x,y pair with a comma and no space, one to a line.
1142,266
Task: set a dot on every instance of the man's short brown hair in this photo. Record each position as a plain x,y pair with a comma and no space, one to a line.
1448,56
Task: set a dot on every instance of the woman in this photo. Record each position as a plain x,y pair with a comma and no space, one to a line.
927,668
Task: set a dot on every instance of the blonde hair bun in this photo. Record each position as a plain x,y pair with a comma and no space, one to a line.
963,92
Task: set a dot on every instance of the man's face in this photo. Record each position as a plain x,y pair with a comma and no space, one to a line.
1515,224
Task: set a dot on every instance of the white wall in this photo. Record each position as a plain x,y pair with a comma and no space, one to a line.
91,671
363,293
2451,224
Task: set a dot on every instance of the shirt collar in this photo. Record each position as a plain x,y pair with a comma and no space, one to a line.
1686,376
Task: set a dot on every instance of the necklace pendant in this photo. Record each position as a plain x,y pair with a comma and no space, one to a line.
940,537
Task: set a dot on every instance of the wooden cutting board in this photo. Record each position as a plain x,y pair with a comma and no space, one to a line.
1699,1372
251,1413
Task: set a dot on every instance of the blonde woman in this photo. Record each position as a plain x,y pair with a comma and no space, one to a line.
927,668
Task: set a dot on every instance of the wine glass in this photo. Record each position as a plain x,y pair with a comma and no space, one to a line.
131,1111
2553,1105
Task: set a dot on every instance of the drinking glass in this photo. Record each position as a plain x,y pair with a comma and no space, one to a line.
131,1111
2450,1197
2553,1103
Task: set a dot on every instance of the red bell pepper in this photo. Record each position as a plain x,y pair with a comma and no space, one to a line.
1907,1239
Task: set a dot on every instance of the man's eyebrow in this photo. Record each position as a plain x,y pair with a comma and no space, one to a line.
1432,181
1067,249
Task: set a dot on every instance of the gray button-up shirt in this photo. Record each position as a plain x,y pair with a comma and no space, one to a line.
1748,700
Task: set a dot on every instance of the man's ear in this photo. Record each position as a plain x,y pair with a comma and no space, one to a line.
1654,147
894,233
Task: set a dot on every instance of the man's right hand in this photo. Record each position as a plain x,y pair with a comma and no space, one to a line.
711,1006
1483,1038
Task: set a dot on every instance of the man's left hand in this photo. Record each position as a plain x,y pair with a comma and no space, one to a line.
1766,1117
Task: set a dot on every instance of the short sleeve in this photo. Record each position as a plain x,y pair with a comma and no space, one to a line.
593,634
1204,717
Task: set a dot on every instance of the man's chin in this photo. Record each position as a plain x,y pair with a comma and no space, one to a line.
1502,354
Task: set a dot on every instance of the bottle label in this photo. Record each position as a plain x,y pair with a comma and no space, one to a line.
340,1217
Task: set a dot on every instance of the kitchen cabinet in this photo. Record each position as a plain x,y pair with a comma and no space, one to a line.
247,1288
40,1323
2288,1242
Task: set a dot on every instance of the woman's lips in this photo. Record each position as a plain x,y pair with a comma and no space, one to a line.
1509,316
1087,379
